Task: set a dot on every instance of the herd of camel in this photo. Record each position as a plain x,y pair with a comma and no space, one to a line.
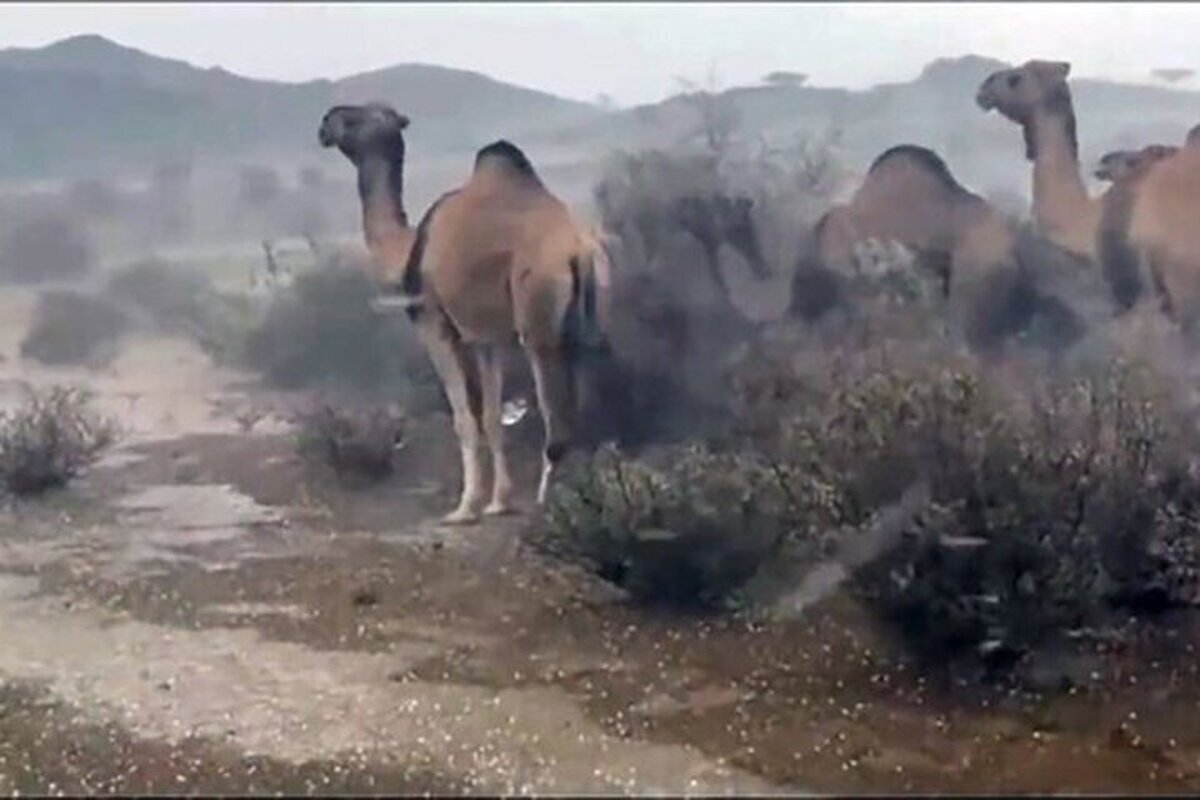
501,258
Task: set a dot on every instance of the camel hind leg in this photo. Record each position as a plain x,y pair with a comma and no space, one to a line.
553,375
460,379
491,372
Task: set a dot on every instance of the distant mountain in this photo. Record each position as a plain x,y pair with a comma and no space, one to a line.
936,109
89,105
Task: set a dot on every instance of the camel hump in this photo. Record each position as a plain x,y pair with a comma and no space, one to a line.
506,152
923,157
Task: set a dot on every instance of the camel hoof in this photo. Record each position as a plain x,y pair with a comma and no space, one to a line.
497,509
460,516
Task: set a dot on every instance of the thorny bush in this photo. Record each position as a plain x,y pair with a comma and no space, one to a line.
358,441
320,332
50,439
685,529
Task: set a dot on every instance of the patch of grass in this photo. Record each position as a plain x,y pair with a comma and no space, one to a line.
71,328
50,439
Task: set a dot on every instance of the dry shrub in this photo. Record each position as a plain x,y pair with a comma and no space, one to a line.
173,300
50,439
70,328
1052,498
320,332
357,441
685,528
167,295
46,248
678,328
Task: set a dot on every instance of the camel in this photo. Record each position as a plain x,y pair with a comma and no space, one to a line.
1117,165
992,272
1036,97
497,260
1193,137
371,136
909,197
1149,224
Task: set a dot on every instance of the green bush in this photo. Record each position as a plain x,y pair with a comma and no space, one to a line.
1051,499
685,529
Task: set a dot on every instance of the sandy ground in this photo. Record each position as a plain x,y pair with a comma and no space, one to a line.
204,613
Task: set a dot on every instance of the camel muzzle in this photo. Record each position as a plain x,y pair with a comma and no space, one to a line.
983,100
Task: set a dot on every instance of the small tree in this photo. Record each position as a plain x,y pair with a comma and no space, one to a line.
717,116
1173,75
785,78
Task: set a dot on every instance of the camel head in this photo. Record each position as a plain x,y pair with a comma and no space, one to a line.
1023,93
1018,92
1193,137
361,130
1116,164
1120,164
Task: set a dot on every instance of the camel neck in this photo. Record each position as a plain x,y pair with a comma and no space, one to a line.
1061,204
385,222
381,190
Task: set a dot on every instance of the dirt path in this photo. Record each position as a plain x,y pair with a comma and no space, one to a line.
205,614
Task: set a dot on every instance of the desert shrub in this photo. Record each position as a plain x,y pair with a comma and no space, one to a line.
70,328
357,441
679,329
49,439
1051,498
684,527
321,332
45,248
173,300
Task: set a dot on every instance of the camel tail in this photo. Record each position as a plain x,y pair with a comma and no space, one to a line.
583,329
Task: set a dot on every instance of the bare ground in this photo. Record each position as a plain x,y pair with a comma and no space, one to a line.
203,614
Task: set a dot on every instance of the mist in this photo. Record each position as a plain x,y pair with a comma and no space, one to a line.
753,420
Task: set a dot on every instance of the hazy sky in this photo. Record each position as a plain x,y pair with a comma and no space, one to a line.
631,51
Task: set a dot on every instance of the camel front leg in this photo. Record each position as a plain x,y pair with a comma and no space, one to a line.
491,372
460,379
553,375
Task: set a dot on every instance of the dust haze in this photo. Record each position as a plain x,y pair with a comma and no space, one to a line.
882,472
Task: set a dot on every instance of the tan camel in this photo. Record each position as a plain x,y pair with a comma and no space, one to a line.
499,260
1036,97
1117,165
1193,137
909,196
372,137
1122,269
1149,225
